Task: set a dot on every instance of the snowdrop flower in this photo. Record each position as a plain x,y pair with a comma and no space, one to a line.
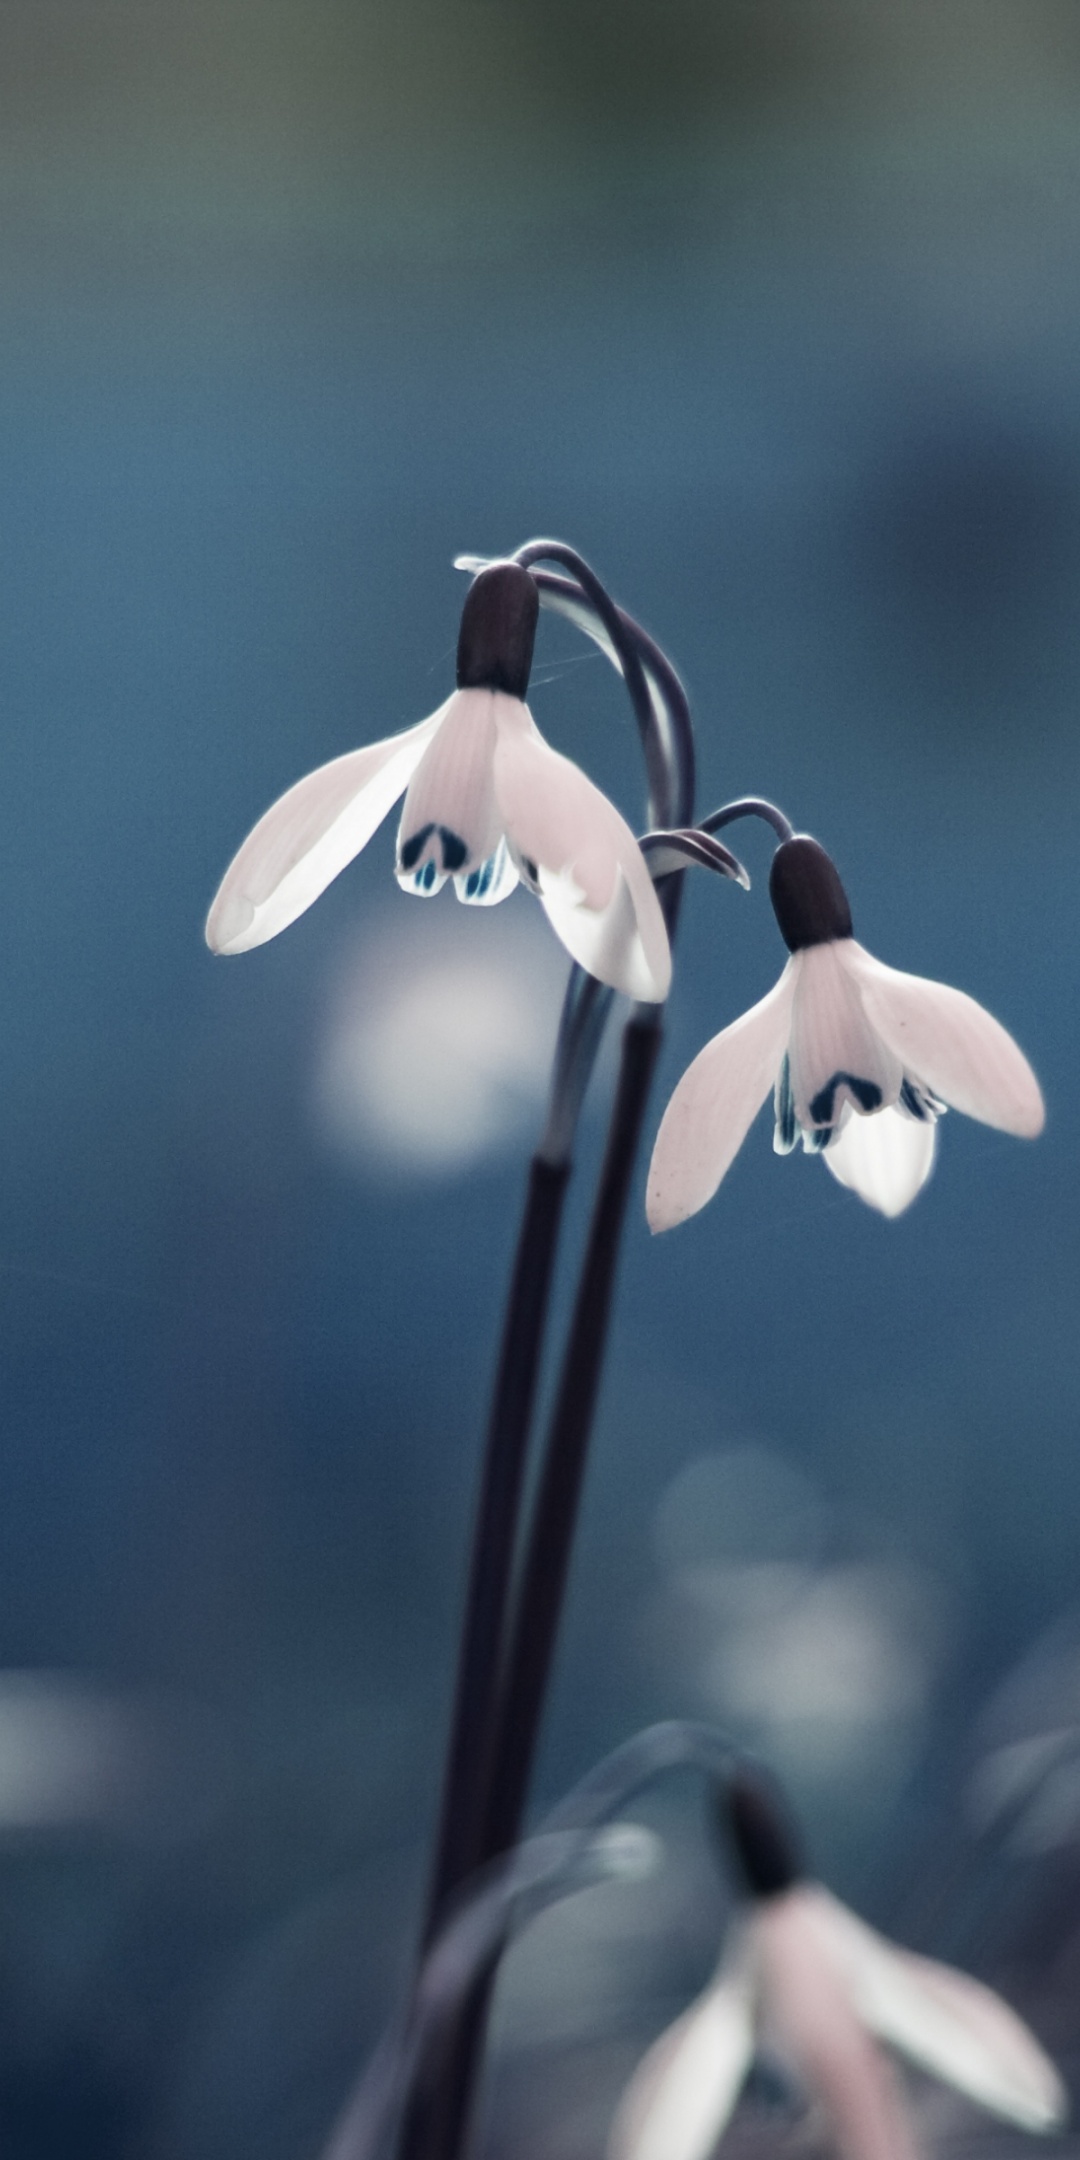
486,802
819,1989
862,1060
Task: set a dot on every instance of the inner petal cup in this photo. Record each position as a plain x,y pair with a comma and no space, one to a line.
886,1158
450,823
837,1057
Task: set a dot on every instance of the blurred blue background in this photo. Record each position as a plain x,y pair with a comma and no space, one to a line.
773,312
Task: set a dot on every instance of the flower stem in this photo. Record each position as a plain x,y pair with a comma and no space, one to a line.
748,806
656,694
627,652
436,2125
546,1563
457,1849
459,1840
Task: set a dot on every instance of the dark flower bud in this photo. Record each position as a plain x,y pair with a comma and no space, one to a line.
752,1817
498,629
808,899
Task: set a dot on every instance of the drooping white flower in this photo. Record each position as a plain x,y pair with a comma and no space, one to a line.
818,1990
487,802
862,1060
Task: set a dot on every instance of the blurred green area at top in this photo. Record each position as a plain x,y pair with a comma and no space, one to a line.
457,127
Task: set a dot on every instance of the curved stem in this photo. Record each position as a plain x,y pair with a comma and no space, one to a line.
629,659
667,723
749,806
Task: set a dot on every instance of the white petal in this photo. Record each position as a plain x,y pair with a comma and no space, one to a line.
308,836
450,823
951,2025
590,872
808,2010
886,1158
714,1105
837,1056
953,1046
683,2091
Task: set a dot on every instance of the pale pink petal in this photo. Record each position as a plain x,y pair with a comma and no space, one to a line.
683,2091
582,858
953,1046
886,1158
808,2013
308,836
450,821
837,1056
714,1105
950,2025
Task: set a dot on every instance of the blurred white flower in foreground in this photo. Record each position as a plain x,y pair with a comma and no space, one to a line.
862,1059
435,1049
487,802
820,1990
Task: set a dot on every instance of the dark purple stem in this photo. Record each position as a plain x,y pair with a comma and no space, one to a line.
437,2127
546,1564
457,1851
